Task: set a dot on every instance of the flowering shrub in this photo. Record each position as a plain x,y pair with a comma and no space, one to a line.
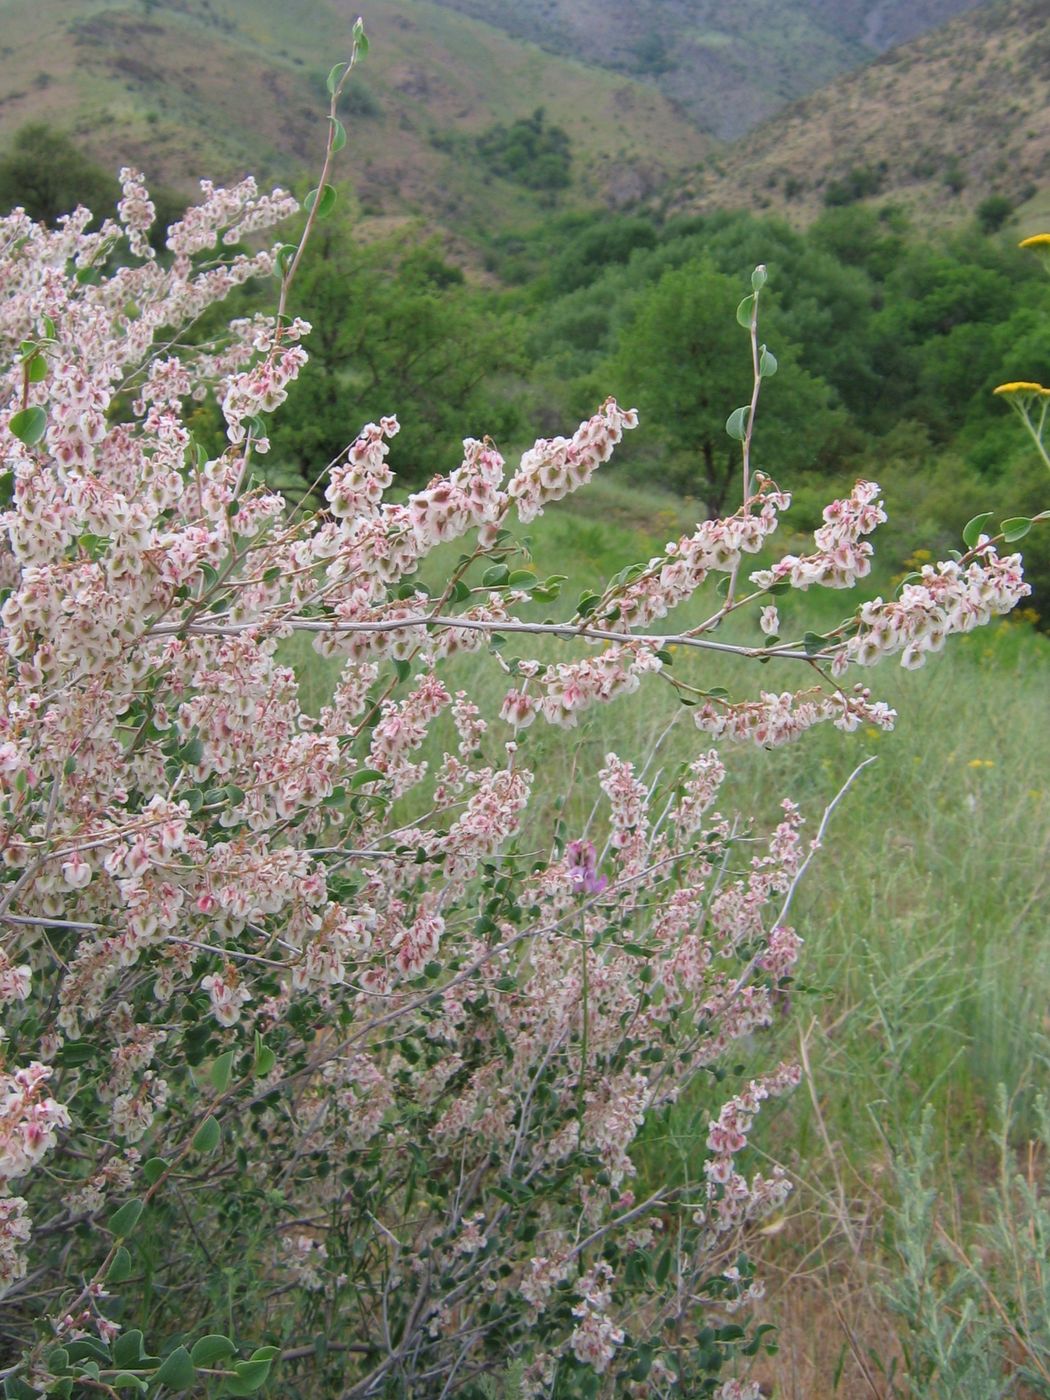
302,1051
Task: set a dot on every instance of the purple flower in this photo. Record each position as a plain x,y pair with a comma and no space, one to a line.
582,860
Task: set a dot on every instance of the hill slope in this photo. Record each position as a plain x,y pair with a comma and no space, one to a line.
729,64
218,87
935,126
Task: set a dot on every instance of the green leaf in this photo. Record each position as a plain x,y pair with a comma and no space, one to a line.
211,1348
813,643
360,38
759,277
36,369
177,1371
745,311
736,423
58,1359
120,1269
222,1071
29,425
975,527
15,1389
251,1376
334,76
265,1059
124,1220
338,134
324,199
587,604
124,1380
86,1347
285,254
192,752
76,1052
128,1348
366,775
208,1135
767,364
1015,528
495,576
154,1169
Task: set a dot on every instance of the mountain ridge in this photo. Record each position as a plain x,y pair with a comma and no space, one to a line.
218,88
729,66
935,127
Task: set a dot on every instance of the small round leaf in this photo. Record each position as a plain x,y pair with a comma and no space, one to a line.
124,1220
177,1370
975,527
1015,528
207,1136
222,1070
29,425
211,1348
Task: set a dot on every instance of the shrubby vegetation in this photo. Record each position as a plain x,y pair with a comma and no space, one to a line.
530,151
889,345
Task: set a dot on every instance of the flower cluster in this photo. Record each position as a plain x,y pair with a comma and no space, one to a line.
843,555
556,467
944,599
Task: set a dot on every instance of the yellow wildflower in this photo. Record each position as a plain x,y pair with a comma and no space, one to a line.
1021,386
980,763
1037,240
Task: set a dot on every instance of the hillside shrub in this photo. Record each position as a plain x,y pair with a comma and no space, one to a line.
530,152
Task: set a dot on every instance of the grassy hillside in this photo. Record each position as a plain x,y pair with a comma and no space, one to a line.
936,126
219,87
729,65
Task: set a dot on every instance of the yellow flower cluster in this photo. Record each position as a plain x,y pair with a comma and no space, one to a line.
1022,386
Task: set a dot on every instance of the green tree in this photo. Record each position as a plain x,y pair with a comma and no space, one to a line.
396,329
48,176
530,152
684,362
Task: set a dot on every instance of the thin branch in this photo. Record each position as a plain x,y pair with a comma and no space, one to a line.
565,630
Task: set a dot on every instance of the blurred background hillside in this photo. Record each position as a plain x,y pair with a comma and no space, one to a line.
529,189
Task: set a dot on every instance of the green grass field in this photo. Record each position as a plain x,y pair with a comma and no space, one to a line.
922,986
